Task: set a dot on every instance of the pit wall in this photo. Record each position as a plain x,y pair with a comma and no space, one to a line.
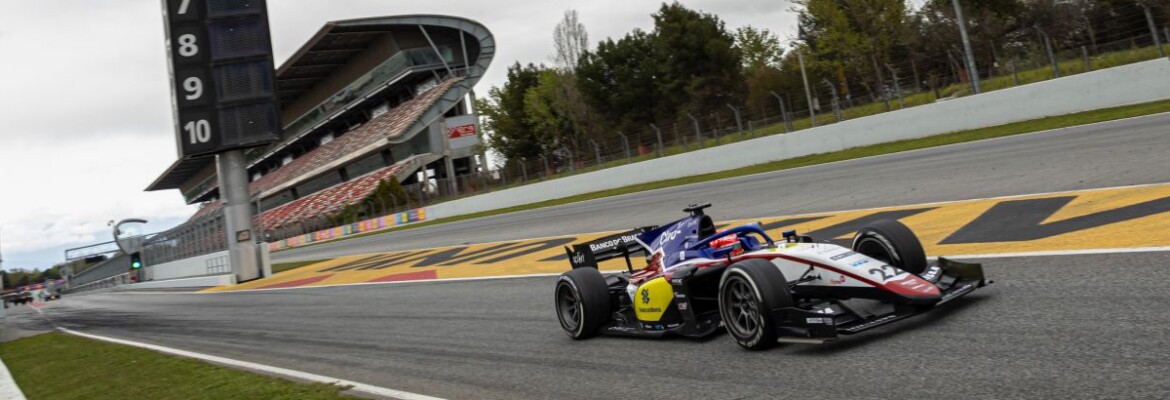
1129,84
369,225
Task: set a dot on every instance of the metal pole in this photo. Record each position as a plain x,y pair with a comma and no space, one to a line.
833,90
751,129
658,133
1051,55
738,122
572,163
1015,76
783,113
698,133
1153,29
1088,62
232,172
897,86
596,151
972,71
881,82
812,114
546,169
625,144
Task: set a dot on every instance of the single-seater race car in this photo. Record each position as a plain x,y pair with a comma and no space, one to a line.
697,280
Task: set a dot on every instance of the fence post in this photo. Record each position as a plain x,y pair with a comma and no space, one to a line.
1051,54
738,121
523,170
572,160
698,133
812,114
897,86
596,151
625,144
1088,62
1153,29
1015,76
751,129
658,133
836,104
546,170
783,112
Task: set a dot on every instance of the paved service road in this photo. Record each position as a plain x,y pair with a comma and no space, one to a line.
1050,327
1117,153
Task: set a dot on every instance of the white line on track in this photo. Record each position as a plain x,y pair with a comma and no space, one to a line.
268,369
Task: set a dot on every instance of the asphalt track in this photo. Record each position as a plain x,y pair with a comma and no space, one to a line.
1116,153
1050,327
1090,326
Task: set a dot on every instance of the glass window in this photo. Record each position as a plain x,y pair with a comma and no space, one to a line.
365,166
319,183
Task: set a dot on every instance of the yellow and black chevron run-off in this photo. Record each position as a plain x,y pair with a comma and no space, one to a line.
1126,217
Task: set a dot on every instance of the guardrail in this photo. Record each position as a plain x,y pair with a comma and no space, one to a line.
101,284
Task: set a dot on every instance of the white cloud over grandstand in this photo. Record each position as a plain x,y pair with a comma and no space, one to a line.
85,121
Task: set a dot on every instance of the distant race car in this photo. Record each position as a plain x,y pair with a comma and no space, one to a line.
698,280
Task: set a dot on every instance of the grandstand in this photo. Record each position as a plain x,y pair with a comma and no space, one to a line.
362,101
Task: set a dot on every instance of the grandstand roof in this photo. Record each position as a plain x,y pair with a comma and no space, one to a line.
331,48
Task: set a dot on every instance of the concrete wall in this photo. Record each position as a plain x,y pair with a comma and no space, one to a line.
202,281
1129,84
209,264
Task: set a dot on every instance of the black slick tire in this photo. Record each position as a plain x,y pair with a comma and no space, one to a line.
893,243
749,292
582,302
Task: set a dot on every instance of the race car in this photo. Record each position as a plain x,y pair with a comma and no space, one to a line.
697,281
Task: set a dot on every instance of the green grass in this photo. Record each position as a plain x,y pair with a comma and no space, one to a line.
60,366
1016,128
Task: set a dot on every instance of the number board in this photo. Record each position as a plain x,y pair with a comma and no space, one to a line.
222,79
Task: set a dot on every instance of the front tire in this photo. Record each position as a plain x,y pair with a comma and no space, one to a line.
582,300
748,294
893,243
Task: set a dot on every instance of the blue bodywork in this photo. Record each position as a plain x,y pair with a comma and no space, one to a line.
690,238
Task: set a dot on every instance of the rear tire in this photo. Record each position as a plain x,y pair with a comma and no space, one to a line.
582,300
748,294
891,242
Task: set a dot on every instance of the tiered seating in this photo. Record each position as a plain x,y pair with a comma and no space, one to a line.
328,201
390,124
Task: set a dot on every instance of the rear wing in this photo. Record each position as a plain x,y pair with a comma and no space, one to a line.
588,254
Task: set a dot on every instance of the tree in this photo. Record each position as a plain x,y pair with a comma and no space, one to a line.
698,67
512,135
760,47
853,37
555,107
570,39
617,81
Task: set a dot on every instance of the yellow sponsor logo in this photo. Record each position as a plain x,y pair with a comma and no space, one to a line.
651,299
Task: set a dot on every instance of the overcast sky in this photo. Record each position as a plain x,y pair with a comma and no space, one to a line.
85,120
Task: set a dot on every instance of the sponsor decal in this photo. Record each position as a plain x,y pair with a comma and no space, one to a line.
819,321
858,263
674,325
579,258
931,274
682,306
620,328
840,279
461,131
676,281
843,255
645,295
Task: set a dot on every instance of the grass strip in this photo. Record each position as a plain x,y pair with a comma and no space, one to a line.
1015,128
59,366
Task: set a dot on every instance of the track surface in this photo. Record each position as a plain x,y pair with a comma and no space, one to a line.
1050,327
1117,153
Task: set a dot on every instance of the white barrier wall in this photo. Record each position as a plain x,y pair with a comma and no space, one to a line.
201,281
1135,83
209,264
